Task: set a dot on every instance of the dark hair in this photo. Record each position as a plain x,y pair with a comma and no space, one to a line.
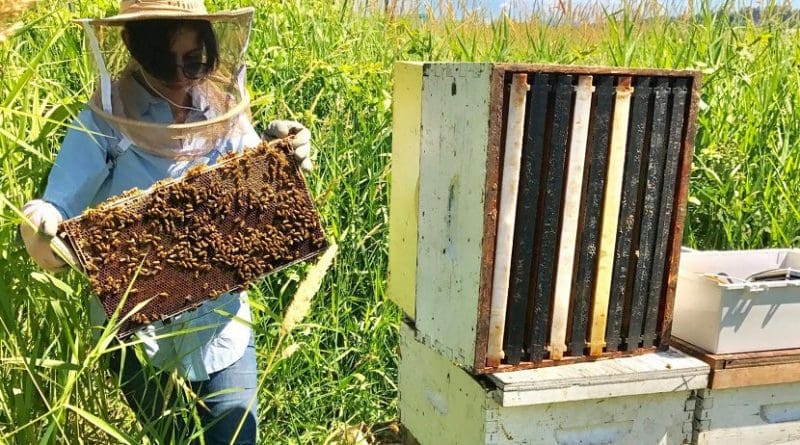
149,42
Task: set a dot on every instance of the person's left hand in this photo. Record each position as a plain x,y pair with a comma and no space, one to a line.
39,236
279,129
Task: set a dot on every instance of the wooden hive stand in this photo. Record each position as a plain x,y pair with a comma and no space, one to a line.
752,397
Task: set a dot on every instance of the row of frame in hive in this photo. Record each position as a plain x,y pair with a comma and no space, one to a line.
546,209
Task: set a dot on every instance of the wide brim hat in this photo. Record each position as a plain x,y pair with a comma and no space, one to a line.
131,10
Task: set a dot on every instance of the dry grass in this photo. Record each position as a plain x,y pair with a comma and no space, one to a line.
301,303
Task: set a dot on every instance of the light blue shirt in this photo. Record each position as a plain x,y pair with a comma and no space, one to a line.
85,173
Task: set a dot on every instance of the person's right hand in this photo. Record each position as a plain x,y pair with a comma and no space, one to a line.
301,140
39,230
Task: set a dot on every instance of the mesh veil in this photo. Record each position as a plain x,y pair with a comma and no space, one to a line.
223,91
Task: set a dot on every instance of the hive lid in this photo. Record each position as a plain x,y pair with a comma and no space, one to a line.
667,371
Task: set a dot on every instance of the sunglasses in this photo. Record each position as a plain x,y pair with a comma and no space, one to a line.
163,67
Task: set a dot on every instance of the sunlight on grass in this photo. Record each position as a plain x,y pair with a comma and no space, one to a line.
329,65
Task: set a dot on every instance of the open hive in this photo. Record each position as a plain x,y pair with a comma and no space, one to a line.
186,240
585,241
536,211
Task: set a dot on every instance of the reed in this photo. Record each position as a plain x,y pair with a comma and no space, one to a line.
329,65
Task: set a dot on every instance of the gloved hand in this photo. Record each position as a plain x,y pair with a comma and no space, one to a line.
44,219
302,139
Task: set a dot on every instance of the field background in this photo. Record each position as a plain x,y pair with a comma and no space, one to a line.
329,64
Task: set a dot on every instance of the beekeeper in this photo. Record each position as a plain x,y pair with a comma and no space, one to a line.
170,95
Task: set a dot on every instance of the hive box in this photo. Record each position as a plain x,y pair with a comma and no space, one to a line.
582,265
764,414
752,397
646,399
719,311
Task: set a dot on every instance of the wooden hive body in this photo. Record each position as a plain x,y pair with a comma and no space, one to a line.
752,397
442,404
763,414
536,211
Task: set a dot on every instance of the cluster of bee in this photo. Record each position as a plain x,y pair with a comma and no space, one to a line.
216,229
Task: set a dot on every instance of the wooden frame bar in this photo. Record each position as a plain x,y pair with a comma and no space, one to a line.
508,212
571,208
656,288
610,218
648,218
620,290
527,208
551,215
679,213
590,226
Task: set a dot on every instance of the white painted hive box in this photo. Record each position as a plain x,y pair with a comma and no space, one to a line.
536,211
647,399
764,414
718,310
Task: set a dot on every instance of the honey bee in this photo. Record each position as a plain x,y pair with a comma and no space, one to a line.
140,318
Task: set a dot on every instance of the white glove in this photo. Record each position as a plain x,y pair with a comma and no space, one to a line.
44,219
301,141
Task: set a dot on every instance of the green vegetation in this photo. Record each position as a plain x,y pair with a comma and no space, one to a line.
330,67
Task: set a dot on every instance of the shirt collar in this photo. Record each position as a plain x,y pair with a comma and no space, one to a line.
141,99
143,102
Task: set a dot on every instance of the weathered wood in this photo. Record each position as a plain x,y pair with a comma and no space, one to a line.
655,289
679,213
626,230
437,397
746,368
764,414
648,219
571,209
644,374
551,215
509,192
431,389
491,198
527,223
406,127
608,230
590,227
755,375
451,206
593,70
739,359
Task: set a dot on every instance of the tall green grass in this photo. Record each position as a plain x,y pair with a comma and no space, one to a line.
324,64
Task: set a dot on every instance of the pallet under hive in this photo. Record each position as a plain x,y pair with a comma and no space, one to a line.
184,241
743,369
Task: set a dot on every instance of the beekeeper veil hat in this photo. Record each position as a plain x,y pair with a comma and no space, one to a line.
218,84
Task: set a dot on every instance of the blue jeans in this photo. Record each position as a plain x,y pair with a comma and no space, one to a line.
225,399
